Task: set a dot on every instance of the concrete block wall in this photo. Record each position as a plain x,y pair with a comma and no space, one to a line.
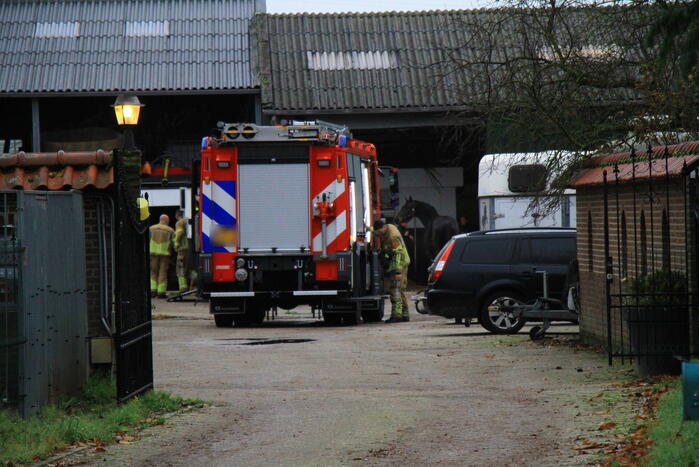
630,249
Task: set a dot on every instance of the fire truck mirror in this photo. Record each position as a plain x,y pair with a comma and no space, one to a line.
393,187
393,182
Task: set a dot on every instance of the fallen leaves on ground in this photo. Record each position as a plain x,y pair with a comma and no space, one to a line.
629,449
161,316
572,341
590,445
123,438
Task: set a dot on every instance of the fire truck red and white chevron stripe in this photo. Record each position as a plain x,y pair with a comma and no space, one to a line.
337,231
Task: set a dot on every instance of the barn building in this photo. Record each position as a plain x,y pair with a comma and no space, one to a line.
385,76
63,62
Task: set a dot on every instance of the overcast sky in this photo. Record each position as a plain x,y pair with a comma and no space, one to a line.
337,6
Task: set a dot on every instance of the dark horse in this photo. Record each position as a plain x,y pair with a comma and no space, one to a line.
438,229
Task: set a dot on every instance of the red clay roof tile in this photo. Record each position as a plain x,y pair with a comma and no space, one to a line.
680,156
56,171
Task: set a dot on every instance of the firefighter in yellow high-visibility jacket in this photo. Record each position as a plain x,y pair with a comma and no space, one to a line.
161,242
182,250
395,265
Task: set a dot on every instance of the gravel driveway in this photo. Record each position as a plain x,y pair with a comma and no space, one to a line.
418,393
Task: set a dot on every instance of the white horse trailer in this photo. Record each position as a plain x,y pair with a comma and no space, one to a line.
507,192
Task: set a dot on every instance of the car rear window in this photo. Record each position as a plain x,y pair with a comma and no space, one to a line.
487,251
557,250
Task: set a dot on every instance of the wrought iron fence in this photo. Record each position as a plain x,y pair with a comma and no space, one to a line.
650,220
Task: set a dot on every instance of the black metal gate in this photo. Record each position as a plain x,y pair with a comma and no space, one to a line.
650,220
133,339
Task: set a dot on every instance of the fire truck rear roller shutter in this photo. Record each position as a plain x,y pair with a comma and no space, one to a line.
274,207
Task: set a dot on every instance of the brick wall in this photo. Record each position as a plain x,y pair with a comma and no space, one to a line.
93,264
638,243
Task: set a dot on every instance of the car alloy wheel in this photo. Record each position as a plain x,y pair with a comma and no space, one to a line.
496,318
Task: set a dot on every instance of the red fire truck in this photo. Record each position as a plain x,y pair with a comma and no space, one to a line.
284,216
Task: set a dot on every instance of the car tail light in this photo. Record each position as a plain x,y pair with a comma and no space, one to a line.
441,262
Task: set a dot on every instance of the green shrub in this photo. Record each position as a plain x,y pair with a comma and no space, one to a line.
661,287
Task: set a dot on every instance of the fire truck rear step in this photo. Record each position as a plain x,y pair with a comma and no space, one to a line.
232,294
309,293
297,293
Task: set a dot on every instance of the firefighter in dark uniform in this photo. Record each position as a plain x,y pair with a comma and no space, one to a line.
182,250
161,237
395,260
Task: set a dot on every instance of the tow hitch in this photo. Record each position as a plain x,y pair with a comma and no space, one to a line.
420,303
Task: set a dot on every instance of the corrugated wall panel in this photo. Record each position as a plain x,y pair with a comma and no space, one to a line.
55,356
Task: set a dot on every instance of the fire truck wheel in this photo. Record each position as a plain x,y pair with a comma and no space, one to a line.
242,321
223,321
332,319
350,319
257,317
373,316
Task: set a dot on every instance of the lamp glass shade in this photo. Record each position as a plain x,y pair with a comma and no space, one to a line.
127,114
127,110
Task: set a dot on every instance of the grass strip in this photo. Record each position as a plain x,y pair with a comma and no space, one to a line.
93,418
675,441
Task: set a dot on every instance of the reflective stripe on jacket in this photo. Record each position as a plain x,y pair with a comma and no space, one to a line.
161,237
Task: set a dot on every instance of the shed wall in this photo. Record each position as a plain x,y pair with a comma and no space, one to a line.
51,232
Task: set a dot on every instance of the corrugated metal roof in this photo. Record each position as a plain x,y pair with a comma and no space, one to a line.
56,171
206,46
681,157
411,60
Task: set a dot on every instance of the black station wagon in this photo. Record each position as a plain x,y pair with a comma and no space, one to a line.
476,272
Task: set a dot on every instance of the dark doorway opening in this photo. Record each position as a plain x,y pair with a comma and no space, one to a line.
166,121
